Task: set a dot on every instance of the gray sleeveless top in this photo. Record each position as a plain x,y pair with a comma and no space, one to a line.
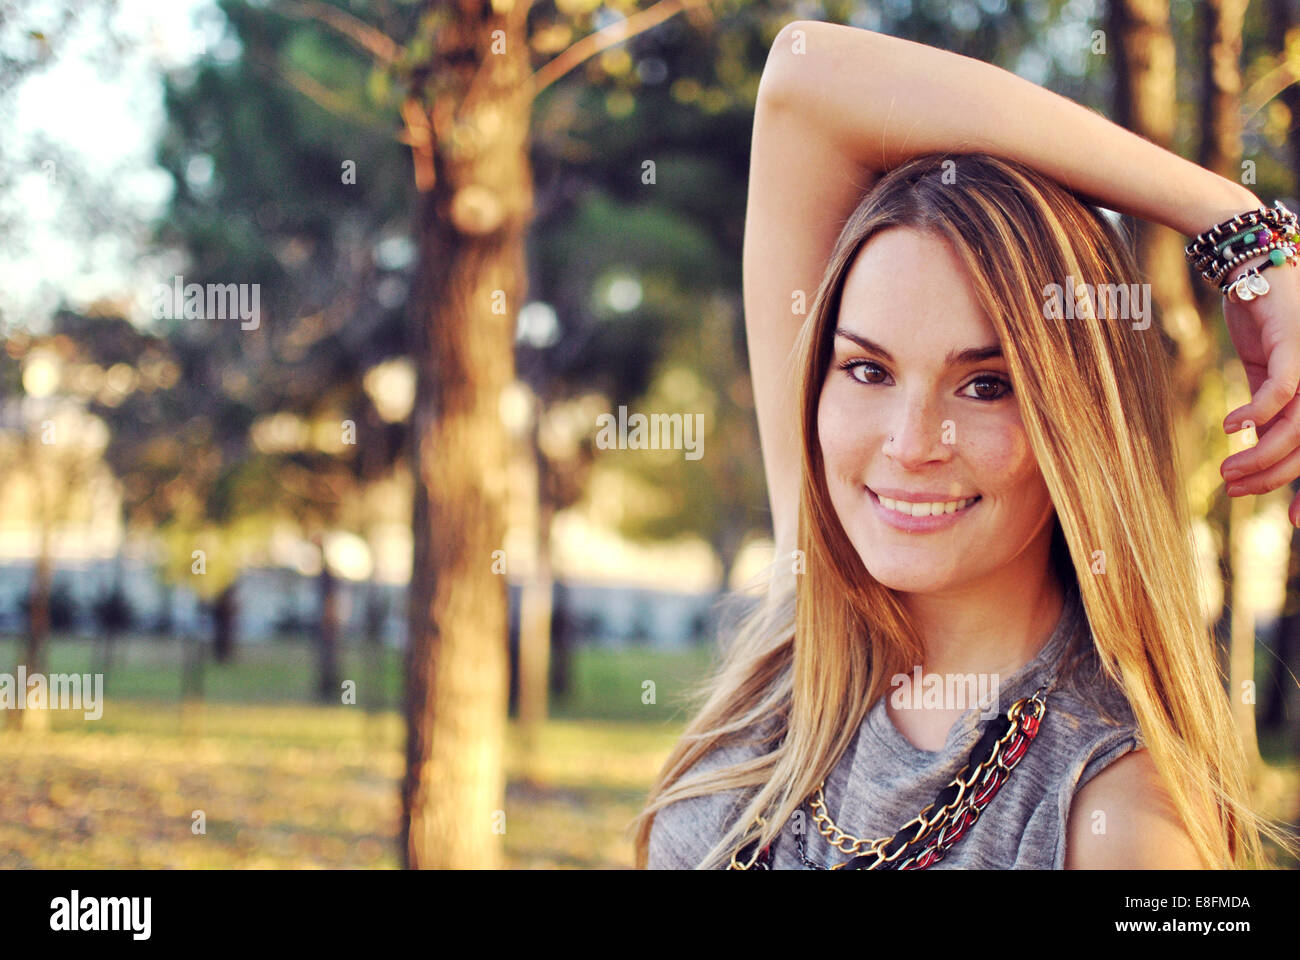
883,780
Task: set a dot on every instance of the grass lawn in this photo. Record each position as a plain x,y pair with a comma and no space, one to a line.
283,782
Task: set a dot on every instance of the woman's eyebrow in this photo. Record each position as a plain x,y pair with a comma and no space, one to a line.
864,343
954,357
973,355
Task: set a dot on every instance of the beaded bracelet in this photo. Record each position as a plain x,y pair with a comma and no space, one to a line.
1268,228
1269,248
1246,236
1214,266
1252,232
1253,242
1216,234
1250,284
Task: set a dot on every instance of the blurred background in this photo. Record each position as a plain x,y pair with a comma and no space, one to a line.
325,327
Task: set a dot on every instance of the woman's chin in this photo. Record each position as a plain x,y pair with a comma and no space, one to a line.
907,579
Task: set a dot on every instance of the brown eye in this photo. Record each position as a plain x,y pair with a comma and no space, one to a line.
990,388
872,370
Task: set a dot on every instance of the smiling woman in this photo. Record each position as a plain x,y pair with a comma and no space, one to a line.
921,415
968,481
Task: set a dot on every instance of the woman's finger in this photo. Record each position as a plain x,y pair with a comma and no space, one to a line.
1278,438
1264,481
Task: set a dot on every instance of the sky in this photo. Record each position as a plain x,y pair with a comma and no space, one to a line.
80,135
98,105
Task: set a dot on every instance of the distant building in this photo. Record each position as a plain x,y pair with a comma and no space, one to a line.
279,601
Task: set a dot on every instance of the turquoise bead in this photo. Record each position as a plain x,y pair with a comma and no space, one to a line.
1278,257
1249,238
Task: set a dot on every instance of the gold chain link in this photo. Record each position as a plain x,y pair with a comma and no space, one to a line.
924,823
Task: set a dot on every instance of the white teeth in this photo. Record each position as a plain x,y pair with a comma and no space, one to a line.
926,509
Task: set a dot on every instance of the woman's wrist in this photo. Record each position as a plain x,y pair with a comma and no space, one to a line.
1219,205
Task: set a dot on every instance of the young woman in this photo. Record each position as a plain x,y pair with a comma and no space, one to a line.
970,460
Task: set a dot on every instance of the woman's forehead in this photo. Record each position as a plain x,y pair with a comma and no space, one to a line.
905,285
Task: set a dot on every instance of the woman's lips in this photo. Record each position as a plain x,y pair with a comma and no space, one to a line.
915,524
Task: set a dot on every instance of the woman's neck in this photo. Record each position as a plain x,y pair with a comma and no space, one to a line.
991,626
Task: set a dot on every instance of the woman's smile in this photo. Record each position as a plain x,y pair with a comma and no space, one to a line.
922,515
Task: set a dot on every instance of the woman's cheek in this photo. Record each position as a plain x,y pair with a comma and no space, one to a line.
999,450
834,426
848,425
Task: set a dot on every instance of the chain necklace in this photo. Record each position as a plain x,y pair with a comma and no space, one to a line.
923,841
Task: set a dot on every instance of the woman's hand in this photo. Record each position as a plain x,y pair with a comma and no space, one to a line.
1266,334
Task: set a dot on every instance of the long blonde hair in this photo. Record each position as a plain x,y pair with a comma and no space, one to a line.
806,665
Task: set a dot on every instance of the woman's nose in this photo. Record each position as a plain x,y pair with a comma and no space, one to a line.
920,435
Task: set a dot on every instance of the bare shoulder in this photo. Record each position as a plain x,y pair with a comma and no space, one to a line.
1124,819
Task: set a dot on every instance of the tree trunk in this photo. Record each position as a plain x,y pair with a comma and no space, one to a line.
1283,698
1221,152
328,684
535,603
729,539
561,641
38,614
224,614
467,291
1281,19
38,631
726,542
535,612
193,655
113,616
1280,690
374,697
1221,86
1146,103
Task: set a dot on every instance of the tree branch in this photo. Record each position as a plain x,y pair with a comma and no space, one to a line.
1263,90
594,43
368,38
321,95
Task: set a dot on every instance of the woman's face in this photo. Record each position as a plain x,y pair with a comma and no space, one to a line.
916,411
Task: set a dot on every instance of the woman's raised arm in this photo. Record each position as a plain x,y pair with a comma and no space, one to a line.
884,100
838,105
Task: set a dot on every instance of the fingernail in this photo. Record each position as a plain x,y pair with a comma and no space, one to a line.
1232,474
1235,488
